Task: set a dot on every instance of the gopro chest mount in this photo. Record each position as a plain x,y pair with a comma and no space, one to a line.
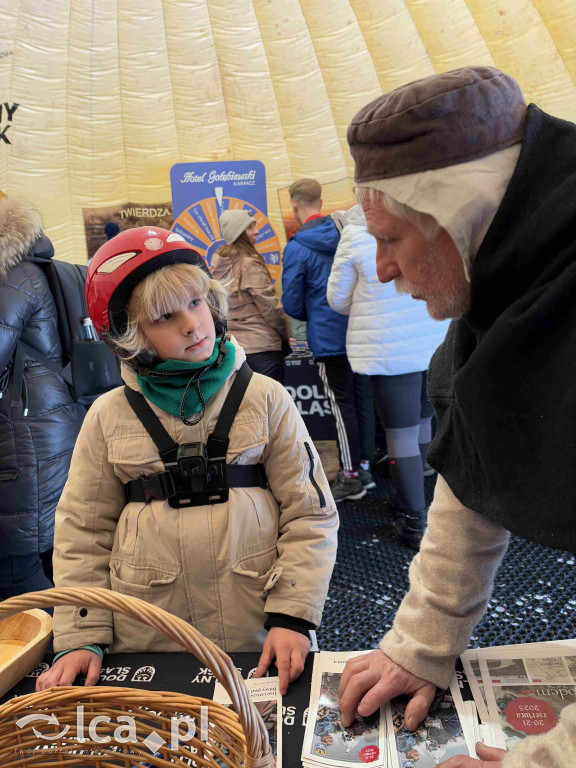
195,473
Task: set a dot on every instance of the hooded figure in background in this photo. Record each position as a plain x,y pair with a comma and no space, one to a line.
39,420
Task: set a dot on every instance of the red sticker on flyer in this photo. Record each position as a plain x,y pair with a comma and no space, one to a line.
369,754
530,715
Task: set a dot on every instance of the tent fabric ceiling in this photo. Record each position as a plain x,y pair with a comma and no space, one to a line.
112,93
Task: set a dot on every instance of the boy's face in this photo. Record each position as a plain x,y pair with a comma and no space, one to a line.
188,334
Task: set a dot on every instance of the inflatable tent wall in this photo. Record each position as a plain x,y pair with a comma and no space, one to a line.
99,98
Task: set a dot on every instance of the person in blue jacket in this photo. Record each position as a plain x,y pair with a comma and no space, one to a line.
306,266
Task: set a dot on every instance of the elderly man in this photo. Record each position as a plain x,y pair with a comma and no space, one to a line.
471,197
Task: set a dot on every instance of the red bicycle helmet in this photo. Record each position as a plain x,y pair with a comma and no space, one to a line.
123,262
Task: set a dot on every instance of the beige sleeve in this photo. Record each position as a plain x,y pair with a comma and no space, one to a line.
555,749
450,583
86,518
308,525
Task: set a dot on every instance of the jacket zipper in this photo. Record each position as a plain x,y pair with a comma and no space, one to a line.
312,478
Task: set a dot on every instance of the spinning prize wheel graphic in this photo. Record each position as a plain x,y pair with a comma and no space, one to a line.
198,224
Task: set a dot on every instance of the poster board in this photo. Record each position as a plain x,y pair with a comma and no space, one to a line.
202,191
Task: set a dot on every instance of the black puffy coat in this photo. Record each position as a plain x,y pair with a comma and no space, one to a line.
35,447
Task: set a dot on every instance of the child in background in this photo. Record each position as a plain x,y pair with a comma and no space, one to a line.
250,573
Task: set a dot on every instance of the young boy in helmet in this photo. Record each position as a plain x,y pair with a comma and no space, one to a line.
237,543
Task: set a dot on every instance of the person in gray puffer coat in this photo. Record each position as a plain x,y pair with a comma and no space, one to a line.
39,420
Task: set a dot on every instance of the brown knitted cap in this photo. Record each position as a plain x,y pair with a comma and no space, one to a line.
438,121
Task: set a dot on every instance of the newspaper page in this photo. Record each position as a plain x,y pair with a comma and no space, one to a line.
265,693
440,736
471,666
326,741
527,688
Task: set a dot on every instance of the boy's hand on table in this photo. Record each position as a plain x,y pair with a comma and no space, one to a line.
490,757
68,667
289,650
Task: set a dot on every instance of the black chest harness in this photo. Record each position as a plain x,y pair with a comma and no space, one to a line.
195,474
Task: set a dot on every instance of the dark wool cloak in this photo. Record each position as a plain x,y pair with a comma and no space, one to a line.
504,381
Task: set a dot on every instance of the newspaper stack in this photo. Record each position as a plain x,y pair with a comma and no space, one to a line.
265,693
326,741
381,740
446,731
520,690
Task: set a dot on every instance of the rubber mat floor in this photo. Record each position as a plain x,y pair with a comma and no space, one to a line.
534,595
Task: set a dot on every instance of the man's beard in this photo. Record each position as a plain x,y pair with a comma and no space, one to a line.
441,305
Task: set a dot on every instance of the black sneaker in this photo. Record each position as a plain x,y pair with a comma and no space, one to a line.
380,458
365,477
347,488
409,528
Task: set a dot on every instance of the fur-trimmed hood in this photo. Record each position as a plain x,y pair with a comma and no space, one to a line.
20,229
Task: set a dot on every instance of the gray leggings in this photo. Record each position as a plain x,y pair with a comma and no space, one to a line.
406,415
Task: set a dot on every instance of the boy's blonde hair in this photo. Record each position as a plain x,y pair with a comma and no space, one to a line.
165,291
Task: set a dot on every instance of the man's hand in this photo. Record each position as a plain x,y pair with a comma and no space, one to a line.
67,667
372,680
490,757
290,649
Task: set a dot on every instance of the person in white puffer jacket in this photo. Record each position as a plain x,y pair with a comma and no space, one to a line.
391,339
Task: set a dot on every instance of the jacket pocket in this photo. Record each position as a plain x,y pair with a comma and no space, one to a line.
261,583
143,582
133,454
256,570
155,585
248,438
311,462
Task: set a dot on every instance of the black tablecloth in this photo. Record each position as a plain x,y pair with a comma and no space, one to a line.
182,673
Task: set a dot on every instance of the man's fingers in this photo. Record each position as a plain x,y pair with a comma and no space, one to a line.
357,686
418,706
490,753
378,694
490,758
353,666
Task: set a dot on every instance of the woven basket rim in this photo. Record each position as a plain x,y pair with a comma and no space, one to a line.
258,753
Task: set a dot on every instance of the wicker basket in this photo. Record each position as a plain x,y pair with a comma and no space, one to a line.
231,740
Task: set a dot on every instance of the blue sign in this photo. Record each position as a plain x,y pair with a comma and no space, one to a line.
202,191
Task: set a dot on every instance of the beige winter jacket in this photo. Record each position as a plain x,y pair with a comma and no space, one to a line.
256,317
220,567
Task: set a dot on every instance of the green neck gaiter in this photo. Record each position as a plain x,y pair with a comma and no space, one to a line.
167,392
